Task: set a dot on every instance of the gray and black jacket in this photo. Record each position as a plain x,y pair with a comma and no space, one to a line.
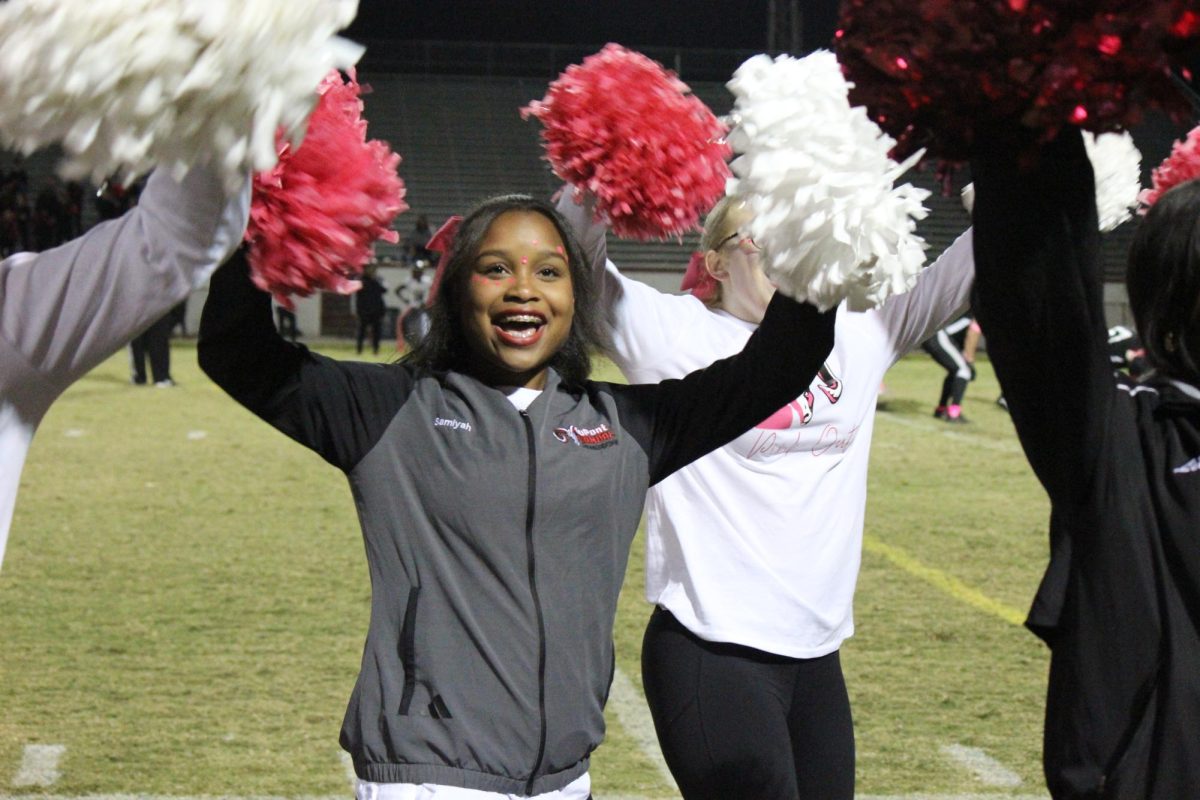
496,539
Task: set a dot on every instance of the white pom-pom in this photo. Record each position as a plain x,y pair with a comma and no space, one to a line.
125,85
816,175
1117,164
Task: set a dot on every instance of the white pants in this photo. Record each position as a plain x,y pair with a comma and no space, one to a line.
578,789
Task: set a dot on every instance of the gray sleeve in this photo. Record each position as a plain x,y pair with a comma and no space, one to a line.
66,309
942,294
591,232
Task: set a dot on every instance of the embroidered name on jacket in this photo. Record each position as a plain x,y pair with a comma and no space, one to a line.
455,424
595,438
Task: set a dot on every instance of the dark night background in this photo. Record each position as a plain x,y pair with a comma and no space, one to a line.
718,24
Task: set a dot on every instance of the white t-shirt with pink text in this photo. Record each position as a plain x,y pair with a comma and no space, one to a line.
759,542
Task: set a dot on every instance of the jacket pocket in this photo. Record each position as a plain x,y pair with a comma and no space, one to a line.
408,651
612,673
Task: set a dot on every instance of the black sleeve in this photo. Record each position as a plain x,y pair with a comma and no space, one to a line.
339,409
677,421
1040,303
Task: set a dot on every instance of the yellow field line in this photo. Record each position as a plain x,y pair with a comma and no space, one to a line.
940,580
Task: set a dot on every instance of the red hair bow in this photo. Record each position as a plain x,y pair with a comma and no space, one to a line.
698,280
442,243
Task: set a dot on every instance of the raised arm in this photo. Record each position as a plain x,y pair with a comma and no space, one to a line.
644,324
942,294
339,409
678,421
1040,302
591,232
67,309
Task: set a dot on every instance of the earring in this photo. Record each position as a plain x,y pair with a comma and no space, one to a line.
1169,342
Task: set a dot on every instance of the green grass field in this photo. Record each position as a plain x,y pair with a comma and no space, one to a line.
184,598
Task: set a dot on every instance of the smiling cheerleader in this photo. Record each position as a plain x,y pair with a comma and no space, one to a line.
498,492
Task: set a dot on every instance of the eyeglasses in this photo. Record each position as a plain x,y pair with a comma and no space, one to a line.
744,242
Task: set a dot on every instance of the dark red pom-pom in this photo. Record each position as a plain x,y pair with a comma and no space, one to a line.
314,217
935,73
631,133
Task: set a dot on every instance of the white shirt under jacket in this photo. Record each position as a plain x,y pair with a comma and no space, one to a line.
64,310
759,543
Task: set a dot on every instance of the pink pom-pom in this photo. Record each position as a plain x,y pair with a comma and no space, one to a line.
315,215
631,133
1181,166
935,74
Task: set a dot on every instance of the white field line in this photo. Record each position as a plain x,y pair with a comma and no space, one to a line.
632,714
627,703
39,765
348,769
941,428
988,770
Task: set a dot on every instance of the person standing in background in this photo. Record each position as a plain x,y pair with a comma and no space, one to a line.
153,343
953,348
416,252
413,321
369,308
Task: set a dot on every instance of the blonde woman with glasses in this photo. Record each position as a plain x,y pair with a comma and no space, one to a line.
753,550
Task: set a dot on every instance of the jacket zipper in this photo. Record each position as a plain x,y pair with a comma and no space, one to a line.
537,603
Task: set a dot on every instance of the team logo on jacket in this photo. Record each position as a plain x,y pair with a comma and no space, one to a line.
595,438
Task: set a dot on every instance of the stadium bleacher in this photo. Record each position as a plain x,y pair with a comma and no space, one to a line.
463,139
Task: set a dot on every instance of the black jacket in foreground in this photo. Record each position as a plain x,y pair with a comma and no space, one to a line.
1119,605
496,539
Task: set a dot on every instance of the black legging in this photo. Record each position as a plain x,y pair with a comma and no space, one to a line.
736,723
946,350
372,324
154,342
